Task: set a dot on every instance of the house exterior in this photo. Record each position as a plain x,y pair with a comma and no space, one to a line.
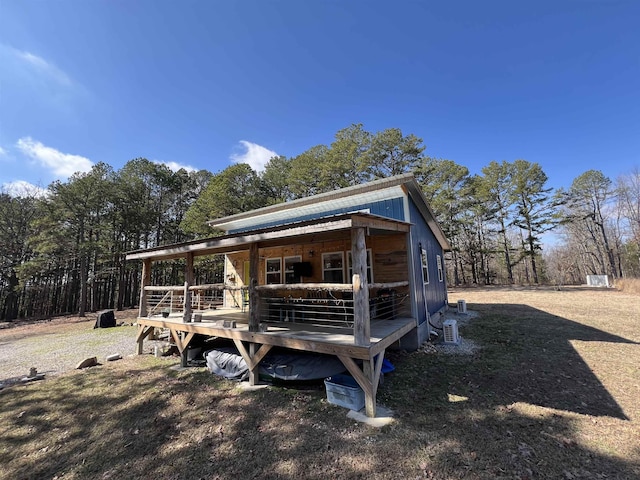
419,255
348,273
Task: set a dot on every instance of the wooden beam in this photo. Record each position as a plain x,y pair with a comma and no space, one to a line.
368,378
243,351
370,400
361,319
388,285
252,357
254,374
143,332
164,288
254,271
289,340
337,287
378,368
232,243
365,381
380,224
260,354
146,280
188,281
209,286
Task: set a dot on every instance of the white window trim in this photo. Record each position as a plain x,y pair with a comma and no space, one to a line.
440,271
267,272
424,260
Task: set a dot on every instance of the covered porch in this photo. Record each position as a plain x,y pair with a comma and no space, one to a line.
260,306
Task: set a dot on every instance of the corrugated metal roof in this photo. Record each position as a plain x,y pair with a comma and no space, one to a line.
355,195
342,199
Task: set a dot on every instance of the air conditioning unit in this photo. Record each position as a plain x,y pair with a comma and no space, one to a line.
450,332
462,306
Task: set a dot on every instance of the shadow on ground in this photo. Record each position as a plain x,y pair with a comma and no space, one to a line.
458,417
478,404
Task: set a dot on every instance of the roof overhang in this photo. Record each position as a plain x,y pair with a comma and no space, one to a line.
309,231
414,190
315,205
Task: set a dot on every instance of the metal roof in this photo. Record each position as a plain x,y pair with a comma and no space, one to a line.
310,230
377,190
383,189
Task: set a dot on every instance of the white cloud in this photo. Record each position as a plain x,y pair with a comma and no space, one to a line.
40,65
62,165
3,152
175,166
255,155
21,188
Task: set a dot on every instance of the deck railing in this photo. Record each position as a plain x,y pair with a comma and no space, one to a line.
327,304
170,300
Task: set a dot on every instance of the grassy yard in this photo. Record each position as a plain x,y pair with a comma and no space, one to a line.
553,392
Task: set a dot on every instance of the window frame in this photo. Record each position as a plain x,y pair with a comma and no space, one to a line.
424,260
332,269
440,270
268,272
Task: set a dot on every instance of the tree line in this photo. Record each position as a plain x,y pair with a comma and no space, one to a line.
64,252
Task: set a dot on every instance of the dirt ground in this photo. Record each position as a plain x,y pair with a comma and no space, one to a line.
58,345
552,391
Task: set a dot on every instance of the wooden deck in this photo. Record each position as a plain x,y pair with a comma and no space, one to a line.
253,346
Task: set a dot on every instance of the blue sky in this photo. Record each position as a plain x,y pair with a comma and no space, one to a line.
203,84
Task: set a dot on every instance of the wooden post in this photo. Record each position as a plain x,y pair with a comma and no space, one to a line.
370,396
368,378
184,356
254,312
186,303
361,320
188,277
146,281
254,271
253,368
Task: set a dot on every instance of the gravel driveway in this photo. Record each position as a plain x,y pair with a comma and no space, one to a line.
56,346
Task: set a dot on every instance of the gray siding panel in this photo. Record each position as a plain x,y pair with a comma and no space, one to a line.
436,291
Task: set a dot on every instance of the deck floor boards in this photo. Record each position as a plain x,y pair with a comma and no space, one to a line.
300,336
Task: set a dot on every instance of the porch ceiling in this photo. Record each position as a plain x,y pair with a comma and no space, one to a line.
337,226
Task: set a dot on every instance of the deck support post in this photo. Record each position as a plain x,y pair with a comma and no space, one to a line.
252,357
254,313
254,271
182,340
143,332
253,368
146,281
361,321
188,281
368,378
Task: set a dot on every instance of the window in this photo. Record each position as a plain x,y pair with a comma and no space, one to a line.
332,267
440,274
425,266
350,267
289,273
273,270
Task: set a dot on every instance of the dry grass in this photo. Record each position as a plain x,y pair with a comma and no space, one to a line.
628,285
554,392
